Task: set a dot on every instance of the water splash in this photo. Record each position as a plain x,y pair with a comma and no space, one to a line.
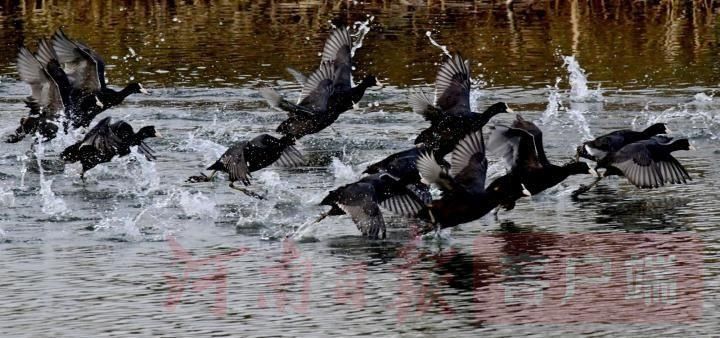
210,150
51,204
361,30
579,120
23,169
554,104
343,172
197,205
434,43
578,82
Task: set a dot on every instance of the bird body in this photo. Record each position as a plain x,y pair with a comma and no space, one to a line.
107,140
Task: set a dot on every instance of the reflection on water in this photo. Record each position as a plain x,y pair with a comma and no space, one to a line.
223,43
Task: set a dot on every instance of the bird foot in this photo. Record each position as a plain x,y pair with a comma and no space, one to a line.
200,178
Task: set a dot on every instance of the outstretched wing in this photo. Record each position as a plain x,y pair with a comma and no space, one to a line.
468,164
452,86
44,90
422,105
647,165
235,164
318,88
337,51
84,67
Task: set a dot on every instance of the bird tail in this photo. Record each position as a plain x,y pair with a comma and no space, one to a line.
71,154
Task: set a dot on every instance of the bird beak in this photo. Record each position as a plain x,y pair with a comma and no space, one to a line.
158,135
692,148
594,173
380,84
508,110
98,103
667,130
143,90
525,191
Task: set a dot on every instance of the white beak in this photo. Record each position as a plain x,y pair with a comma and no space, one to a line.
594,173
525,191
143,90
98,103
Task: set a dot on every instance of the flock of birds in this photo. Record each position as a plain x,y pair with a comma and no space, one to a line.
69,91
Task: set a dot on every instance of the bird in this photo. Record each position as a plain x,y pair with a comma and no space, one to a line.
648,163
245,157
464,197
86,70
451,117
50,92
326,93
362,201
611,142
520,146
106,140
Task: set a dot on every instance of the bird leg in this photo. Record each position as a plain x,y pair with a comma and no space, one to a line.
82,177
246,191
585,188
322,216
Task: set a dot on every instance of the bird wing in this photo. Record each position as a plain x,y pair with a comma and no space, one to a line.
421,104
365,213
290,158
337,51
235,164
409,201
318,88
468,164
84,67
536,134
44,90
517,147
452,86
102,138
647,164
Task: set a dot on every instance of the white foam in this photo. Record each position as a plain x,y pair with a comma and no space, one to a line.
51,204
343,172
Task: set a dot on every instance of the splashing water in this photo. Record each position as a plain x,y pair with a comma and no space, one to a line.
197,205
554,103
434,43
578,118
51,205
343,172
579,91
210,150
361,28
23,169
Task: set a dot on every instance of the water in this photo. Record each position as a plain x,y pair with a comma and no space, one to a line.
109,256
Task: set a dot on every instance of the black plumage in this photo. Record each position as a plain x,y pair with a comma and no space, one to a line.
326,94
648,163
245,157
598,148
50,92
107,140
86,70
529,171
451,118
464,197
362,201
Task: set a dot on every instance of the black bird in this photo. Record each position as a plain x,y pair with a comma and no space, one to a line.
648,163
361,200
451,119
245,157
601,146
106,140
326,94
50,92
464,197
529,171
86,70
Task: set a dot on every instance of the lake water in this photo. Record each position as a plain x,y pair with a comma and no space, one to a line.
136,250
